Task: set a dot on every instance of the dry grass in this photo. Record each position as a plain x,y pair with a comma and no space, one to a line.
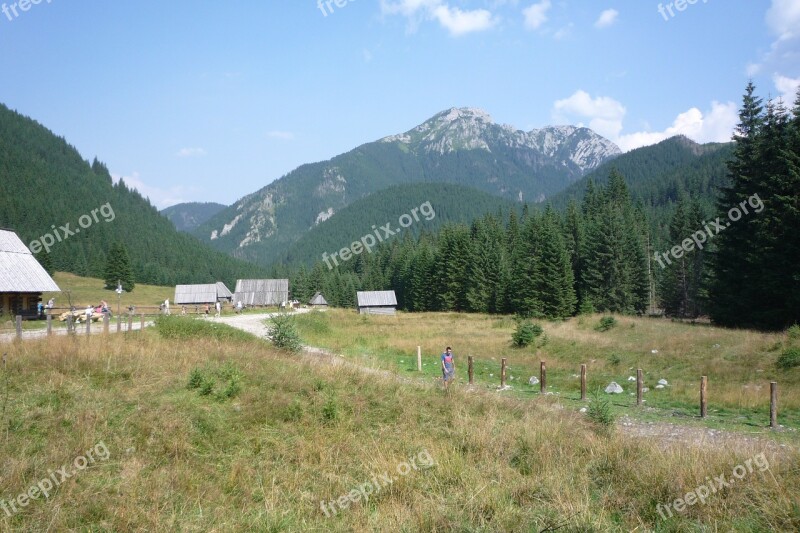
303,430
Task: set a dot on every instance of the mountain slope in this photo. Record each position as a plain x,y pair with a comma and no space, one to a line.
461,146
45,184
189,215
444,203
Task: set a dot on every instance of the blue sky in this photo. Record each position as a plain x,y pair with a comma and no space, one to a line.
209,101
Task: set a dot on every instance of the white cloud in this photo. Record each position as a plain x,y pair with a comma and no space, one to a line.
787,87
283,135
460,22
455,20
607,18
159,197
716,125
536,14
191,152
783,19
606,116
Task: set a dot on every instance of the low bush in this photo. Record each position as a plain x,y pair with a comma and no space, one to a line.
283,332
525,333
606,323
789,359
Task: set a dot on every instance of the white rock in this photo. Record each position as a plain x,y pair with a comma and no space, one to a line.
631,378
533,381
663,382
659,386
653,351
614,388
583,409
645,389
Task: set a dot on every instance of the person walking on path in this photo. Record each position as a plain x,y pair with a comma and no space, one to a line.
448,367
218,309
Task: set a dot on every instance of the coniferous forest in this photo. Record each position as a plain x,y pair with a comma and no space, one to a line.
599,253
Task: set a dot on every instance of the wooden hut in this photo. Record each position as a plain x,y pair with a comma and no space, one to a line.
318,302
376,302
209,293
22,278
261,292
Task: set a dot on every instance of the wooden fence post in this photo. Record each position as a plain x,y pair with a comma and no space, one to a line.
141,327
471,376
419,358
49,325
105,322
130,322
119,323
18,324
542,377
703,398
503,372
639,386
69,323
88,326
583,382
773,404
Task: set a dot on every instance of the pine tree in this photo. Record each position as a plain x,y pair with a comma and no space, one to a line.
552,278
118,268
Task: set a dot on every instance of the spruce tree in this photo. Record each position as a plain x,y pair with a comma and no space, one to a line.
118,268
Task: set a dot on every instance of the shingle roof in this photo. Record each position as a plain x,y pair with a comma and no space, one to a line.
318,299
195,294
261,291
223,291
375,298
19,269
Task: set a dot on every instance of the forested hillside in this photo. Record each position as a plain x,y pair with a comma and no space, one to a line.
448,203
189,215
46,188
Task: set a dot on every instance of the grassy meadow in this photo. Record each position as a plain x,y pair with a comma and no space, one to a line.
210,429
739,364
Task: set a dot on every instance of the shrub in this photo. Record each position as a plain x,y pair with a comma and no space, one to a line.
606,323
789,359
207,387
330,411
600,413
794,332
615,359
525,333
283,333
195,379
231,390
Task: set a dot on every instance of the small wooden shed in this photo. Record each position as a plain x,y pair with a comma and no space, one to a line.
376,302
209,293
318,301
261,292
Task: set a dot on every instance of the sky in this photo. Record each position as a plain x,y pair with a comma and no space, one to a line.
210,101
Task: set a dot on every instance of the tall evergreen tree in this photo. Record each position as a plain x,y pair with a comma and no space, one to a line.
118,268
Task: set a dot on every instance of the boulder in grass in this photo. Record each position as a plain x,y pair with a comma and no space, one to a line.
533,381
614,388
663,382
631,378
659,386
